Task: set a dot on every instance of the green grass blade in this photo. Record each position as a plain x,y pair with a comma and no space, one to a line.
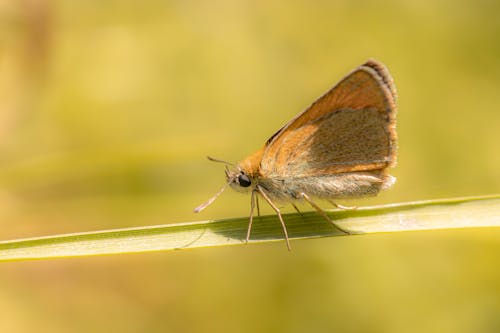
423,215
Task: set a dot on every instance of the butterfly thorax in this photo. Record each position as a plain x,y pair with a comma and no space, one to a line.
251,164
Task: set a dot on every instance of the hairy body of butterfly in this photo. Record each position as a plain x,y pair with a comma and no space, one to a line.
346,185
340,147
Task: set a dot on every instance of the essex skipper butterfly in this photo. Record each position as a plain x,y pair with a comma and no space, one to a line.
339,147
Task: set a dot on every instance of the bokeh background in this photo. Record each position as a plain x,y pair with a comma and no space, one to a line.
108,109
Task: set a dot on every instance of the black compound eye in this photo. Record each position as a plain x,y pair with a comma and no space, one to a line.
244,180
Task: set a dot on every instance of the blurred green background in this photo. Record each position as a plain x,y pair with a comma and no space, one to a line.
108,109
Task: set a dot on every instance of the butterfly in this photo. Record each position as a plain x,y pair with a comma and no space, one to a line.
339,147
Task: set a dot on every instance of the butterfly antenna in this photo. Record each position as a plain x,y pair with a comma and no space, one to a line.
212,199
219,161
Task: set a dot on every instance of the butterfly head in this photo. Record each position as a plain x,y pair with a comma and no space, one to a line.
240,180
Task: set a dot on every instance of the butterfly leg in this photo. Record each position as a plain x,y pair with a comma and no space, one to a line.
322,212
342,206
298,211
252,206
276,209
257,204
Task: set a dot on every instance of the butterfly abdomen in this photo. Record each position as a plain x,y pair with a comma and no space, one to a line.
342,185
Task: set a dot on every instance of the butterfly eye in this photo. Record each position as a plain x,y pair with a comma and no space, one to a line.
244,180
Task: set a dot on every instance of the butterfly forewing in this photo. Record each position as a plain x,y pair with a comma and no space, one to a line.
350,128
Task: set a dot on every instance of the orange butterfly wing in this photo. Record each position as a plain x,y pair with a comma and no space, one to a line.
350,128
